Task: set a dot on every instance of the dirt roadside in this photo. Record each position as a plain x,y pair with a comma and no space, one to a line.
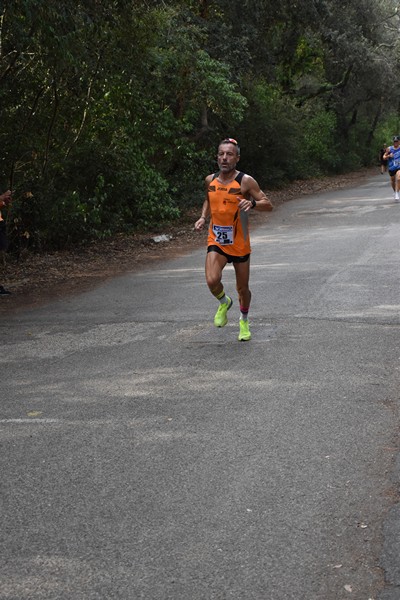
38,279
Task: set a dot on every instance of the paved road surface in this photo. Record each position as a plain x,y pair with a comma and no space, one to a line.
146,454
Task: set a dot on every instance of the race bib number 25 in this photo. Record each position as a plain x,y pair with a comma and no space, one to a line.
223,234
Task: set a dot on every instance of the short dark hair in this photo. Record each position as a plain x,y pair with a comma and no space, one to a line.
229,140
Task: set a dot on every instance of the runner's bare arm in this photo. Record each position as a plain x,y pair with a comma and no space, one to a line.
254,196
205,211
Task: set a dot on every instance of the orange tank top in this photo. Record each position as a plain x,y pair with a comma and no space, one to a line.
229,226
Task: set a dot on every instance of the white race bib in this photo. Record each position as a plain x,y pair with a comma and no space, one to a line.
223,234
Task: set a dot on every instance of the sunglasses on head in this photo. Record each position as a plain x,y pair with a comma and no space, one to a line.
230,141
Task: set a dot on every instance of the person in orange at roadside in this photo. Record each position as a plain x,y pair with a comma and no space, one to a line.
230,195
5,199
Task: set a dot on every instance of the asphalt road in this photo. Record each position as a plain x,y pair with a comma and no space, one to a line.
146,454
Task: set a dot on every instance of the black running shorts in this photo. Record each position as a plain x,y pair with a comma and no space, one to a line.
229,257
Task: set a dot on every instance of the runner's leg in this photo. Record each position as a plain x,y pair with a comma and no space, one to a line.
215,264
242,284
242,271
397,178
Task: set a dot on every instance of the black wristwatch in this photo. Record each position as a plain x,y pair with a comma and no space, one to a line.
253,203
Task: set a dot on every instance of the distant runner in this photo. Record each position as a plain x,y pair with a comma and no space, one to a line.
392,155
383,162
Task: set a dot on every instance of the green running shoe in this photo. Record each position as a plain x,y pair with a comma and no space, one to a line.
221,319
244,334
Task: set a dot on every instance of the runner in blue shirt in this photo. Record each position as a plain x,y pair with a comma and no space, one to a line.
392,154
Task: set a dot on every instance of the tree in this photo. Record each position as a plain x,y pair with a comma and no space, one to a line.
111,111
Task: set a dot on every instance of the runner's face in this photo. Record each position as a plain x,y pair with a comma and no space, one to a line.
227,157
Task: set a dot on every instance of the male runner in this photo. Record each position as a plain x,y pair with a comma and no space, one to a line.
230,195
392,154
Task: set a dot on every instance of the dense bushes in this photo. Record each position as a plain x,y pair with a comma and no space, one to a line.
112,111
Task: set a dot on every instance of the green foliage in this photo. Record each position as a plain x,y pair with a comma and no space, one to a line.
112,111
384,133
269,135
320,151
